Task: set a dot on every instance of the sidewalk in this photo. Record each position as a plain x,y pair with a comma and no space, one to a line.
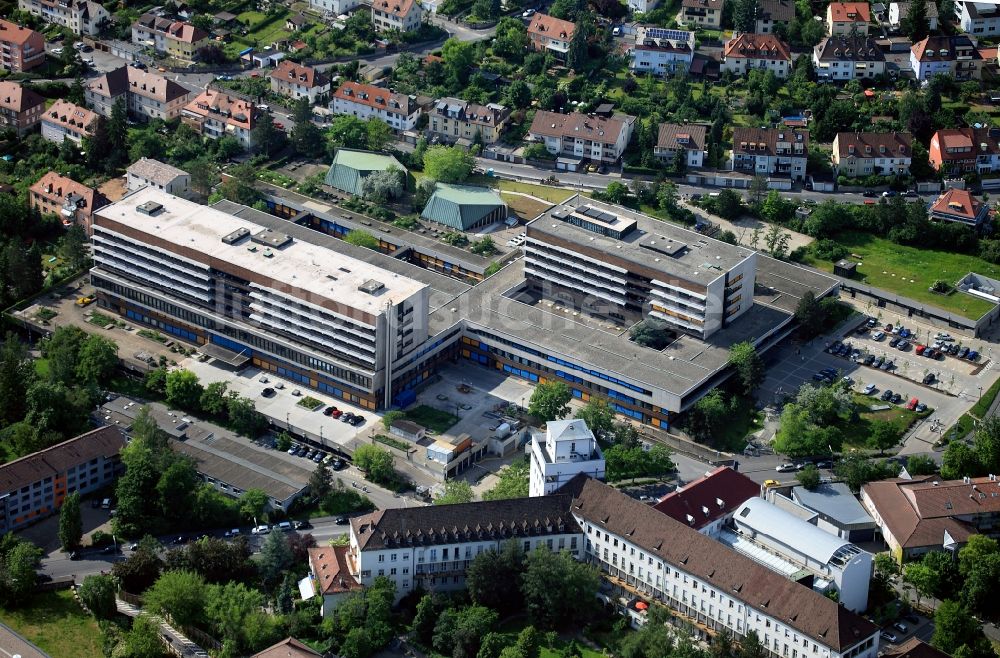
177,641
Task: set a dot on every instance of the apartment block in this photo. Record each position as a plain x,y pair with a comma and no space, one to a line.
20,108
702,13
455,120
36,485
550,34
773,12
147,95
297,81
596,137
402,15
627,268
251,293
399,111
954,55
762,52
564,450
978,18
215,114
848,18
82,17
661,51
21,48
779,152
72,202
848,58
857,155
168,37
64,120
958,151
688,139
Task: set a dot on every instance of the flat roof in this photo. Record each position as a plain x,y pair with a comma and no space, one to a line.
652,243
299,264
235,472
835,501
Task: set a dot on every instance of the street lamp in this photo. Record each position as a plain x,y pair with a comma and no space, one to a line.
980,392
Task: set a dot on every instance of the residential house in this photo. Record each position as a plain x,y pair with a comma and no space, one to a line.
688,139
959,206
550,34
147,95
771,13
298,80
402,15
708,503
954,55
913,648
36,485
778,152
925,513
564,450
331,576
399,111
958,151
168,37
642,6
296,23
843,57
859,155
288,648
765,52
591,136
72,202
847,18
702,13
160,175
65,120
334,7
455,120
215,114
20,108
898,11
82,17
661,51
21,48
978,18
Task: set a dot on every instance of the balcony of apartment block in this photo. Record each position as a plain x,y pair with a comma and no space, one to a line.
453,567
679,609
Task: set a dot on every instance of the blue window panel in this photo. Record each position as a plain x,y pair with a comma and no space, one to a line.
577,393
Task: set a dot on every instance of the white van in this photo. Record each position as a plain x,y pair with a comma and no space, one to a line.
261,530
285,526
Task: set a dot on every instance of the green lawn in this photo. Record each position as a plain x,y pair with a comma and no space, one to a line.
524,207
268,34
910,272
431,418
745,421
982,405
856,432
550,194
42,368
57,624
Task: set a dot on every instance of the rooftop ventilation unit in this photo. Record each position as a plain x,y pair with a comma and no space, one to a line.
236,235
150,208
372,287
270,238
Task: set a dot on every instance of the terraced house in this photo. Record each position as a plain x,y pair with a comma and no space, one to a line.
168,37
398,111
300,81
772,152
955,55
843,57
858,155
959,151
147,95
21,48
688,139
35,486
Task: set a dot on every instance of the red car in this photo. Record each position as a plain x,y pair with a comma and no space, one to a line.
279,126
919,349
337,413
912,404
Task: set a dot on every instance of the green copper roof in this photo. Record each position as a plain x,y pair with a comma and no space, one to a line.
462,206
350,167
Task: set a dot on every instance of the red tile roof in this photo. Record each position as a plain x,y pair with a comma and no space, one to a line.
544,25
16,98
918,512
375,97
874,145
398,8
289,71
914,648
329,566
221,106
14,33
69,116
757,46
958,203
712,497
288,648
843,12
54,187
581,126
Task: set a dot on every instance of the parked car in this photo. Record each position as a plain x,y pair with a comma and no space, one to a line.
285,526
870,359
905,333
819,377
889,637
357,420
929,379
973,355
872,322
337,413
903,346
825,463
847,380
920,408
878,335
964,352
341,520
329,411
879,360
912,618
786,468
895,341
235,532
267,392
896,398
912,404
886,395
869,389
527,13
900,626
346,418
302,525
919,349
261,530
887,365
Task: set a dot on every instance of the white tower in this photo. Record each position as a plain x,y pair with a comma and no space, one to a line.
567,448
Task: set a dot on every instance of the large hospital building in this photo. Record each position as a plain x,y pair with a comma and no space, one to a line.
252,288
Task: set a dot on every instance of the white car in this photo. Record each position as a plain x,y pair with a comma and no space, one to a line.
786,468
878,335
57,51
261,530
870,389
235,532
266,108
528,13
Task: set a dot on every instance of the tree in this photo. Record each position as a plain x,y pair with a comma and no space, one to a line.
448,164
19,562
513,482
776,241
745,15
275,557
729,204
576,56
17,373
459,631
239,187
978,591
98,594
557,589
265,137
550,401
708,416
960,461
141,641
184,390
176,488
455,491
361,238
62,349
179,594
518,95
392,416
749,367
381,186
375,462
307,138
958,633
808,477
920,465
922,577
493,579
203,176
70,523
428,610
98,360
883,436
253,502
141,569
598,415
809,314
652,333
73,247
319,481
244,419
886,568
346,131
378,134
987,444
214,399
916,25
230,607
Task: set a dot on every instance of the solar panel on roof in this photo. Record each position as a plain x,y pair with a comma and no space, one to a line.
664,33
608,218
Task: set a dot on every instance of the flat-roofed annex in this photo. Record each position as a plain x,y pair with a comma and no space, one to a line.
651,243
299,264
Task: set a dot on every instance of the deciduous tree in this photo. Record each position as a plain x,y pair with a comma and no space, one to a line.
455,491
98,594
70,523
448,164
180,594
550,401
